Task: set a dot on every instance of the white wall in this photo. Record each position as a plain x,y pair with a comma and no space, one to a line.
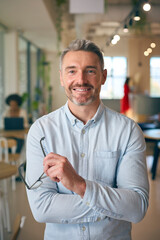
59,97
11,63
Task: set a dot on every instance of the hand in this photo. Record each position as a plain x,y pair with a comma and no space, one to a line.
59,169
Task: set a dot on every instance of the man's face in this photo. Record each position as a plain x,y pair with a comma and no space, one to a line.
81,76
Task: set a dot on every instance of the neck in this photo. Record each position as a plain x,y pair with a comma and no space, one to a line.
84,113
14,112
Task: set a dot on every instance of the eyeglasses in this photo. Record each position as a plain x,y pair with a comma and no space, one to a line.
22,170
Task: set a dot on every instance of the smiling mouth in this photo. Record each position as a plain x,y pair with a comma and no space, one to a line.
82,89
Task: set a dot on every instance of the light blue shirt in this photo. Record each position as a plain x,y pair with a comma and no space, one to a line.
109,153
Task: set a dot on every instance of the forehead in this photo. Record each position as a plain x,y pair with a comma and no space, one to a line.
80,58
13,102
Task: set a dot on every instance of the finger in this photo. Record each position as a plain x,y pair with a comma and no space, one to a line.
53,155
53,173
52,164
49,159
53,159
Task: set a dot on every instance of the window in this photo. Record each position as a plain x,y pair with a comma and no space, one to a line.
155,76
116,75
1,74
27,71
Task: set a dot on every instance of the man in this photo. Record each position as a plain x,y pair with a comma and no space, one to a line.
95,181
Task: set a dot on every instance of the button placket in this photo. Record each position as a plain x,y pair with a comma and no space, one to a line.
83,165
84,231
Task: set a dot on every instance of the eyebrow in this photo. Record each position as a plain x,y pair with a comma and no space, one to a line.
69,67
91,67
72,67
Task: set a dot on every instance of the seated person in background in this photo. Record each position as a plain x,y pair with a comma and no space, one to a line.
14,102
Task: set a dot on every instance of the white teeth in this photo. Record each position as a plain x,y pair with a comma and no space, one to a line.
81,90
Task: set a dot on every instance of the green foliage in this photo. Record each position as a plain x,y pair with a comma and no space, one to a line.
38,91
24,97
35,105
42,92
59,4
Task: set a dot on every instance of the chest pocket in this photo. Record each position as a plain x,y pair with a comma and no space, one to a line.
105,166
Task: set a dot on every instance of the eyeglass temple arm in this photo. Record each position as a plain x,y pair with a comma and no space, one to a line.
23,165
42,146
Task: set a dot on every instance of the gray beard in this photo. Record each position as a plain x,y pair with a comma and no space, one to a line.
81,104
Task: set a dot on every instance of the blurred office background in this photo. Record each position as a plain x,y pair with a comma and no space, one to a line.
33,33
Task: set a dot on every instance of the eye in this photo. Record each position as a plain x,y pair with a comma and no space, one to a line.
71,72
91,71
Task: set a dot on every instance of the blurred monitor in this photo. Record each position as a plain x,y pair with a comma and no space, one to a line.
13,123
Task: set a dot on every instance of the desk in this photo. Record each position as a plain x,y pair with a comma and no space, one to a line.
154,134
18,134
14,133
6,171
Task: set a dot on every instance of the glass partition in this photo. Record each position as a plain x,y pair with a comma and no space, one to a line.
22,58
1,74
29,80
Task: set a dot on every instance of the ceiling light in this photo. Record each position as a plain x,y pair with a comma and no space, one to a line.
125,29
153,45
146,53
149,50
146,6
116,37
114,41
137,17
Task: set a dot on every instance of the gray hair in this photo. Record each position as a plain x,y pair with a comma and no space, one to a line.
83,45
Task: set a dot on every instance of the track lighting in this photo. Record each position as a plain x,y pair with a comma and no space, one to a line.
129,23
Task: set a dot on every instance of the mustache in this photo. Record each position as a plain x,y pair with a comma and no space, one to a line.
81,85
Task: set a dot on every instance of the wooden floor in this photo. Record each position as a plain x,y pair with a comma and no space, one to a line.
148,229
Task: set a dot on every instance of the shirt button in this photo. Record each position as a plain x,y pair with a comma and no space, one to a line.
83,131
83,228
82,155
73,121
87,203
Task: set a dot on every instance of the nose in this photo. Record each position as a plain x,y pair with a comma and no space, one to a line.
81,78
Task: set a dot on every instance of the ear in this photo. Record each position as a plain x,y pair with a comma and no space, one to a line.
61,79
104,77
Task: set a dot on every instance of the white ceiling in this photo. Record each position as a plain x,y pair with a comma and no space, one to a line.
31,18
35,19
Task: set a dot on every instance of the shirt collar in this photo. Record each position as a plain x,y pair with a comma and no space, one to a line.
73,119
